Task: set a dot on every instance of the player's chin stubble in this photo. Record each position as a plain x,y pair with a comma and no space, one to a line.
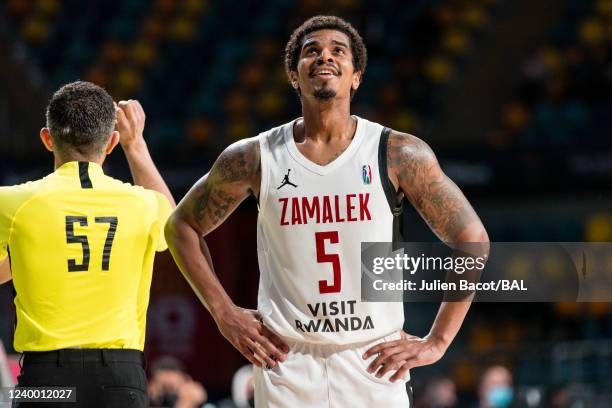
324,93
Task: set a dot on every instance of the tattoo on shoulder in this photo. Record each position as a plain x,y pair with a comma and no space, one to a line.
434,195
240,161
234,175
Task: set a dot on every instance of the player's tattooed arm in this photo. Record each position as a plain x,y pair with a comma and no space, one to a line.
415,172
234,176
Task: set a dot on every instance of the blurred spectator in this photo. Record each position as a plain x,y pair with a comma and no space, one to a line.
495,389
439,393
6,378
243,389
170,386
559,398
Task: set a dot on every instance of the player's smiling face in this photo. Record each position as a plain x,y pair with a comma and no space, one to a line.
325,69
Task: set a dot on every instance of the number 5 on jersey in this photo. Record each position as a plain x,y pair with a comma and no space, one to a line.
334,259
71,238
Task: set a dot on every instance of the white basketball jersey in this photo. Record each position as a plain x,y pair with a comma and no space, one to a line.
312,220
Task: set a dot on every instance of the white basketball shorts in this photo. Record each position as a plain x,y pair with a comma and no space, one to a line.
330,376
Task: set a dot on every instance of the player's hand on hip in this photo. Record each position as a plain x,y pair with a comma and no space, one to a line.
403,354
130,123
244,328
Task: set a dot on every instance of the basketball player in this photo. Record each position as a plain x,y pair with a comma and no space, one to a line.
324,182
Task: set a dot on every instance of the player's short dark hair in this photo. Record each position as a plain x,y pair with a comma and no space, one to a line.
294,45
81,117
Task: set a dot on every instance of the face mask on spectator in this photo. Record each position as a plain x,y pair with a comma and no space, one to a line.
499,396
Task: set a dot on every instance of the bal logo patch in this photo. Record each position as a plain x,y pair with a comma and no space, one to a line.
366,174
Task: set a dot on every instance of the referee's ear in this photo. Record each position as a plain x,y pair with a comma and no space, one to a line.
47,140
112,142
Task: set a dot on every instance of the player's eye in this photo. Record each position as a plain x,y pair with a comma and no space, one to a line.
339,50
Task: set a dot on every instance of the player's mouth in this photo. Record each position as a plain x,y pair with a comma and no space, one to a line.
324,72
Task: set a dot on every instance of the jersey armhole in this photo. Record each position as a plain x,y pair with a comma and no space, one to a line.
395,207
383,170
264,179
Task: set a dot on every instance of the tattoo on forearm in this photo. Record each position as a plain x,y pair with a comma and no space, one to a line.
434,195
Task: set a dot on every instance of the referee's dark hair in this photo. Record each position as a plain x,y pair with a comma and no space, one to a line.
294,45
81,117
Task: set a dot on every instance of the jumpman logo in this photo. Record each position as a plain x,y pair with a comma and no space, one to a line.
286,181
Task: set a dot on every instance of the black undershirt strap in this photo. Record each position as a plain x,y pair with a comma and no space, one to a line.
390,193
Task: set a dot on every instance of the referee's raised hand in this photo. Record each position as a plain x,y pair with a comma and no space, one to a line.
245,330
130,123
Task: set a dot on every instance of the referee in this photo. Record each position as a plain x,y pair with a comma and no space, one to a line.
80,246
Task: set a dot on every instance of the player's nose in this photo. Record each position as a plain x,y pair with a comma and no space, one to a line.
326,56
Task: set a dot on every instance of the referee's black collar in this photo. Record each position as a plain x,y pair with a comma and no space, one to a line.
72,168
